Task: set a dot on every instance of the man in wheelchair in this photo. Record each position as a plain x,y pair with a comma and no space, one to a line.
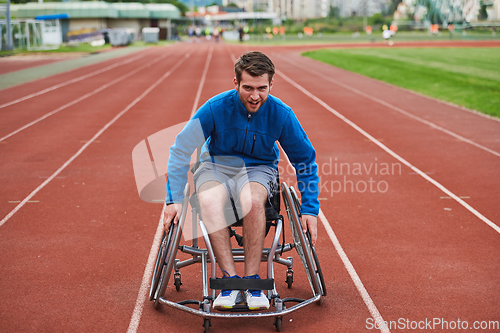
238,130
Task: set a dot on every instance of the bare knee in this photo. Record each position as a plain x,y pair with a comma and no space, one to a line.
211,198
253,198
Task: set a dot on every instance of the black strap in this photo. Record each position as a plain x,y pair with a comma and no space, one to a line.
242,284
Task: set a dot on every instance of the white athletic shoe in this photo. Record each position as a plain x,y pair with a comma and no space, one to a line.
256,300
227,299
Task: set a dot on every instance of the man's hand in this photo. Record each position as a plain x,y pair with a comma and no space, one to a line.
311,222
171,212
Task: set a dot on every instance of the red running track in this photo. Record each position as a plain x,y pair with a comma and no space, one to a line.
75,252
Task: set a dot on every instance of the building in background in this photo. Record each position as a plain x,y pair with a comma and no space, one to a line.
492,9
100,15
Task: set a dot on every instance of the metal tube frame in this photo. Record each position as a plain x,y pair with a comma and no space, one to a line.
207,256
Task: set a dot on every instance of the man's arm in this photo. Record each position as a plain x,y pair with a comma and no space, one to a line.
302,155
193,135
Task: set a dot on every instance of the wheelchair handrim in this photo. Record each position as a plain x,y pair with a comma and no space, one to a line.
300,240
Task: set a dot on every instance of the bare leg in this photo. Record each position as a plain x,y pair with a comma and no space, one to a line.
253,199
212,195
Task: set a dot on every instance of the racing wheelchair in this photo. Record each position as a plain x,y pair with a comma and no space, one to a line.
168,263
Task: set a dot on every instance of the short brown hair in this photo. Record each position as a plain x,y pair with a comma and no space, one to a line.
254,63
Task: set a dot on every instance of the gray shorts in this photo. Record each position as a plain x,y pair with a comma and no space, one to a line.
234,178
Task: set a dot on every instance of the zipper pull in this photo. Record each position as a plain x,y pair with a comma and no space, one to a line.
249,115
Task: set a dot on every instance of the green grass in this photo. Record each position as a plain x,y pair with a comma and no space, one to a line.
465,76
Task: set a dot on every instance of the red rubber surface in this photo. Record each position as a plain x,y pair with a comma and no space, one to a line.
74,256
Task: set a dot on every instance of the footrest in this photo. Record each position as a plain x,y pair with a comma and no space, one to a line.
237,308
242,284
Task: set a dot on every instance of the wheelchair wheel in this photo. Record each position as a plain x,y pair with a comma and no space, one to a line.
160,263
278,322
169,252
165,259
206,325
303,243
313,249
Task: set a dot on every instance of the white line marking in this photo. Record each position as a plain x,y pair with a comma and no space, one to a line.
80,151
379,321
395,108
390,152
141,297
101,88
350,268
83,77
146,278
202,82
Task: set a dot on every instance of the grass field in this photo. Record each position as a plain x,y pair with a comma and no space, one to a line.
465,76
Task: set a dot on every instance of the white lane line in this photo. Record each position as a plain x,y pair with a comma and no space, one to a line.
393,107
379,321
390,152
82,149
146,278
83,77
101,88
202,82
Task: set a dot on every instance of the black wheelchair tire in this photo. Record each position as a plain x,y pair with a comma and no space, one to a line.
165,260
317,265
170,253
302,242
160,262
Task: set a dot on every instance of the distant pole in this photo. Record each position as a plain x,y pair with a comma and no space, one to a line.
365,15
169,29
9,28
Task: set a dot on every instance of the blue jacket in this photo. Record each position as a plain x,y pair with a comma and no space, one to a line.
226,129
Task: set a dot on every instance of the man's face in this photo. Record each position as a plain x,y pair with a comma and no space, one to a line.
253,90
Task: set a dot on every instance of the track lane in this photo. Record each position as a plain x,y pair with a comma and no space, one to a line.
469,124
421,144
35,87
44,155
92,239
399,239
18,115
177,320
370,228
74,80
83,97
395,108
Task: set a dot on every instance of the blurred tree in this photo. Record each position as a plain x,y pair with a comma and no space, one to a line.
334,12
394,6
483,14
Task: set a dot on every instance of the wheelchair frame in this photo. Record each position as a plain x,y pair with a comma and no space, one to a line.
166,262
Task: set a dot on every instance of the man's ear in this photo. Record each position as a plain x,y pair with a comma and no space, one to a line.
235,82
271,84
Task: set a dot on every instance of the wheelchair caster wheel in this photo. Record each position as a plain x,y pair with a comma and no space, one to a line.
289,280
206,324
278,322
177,283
